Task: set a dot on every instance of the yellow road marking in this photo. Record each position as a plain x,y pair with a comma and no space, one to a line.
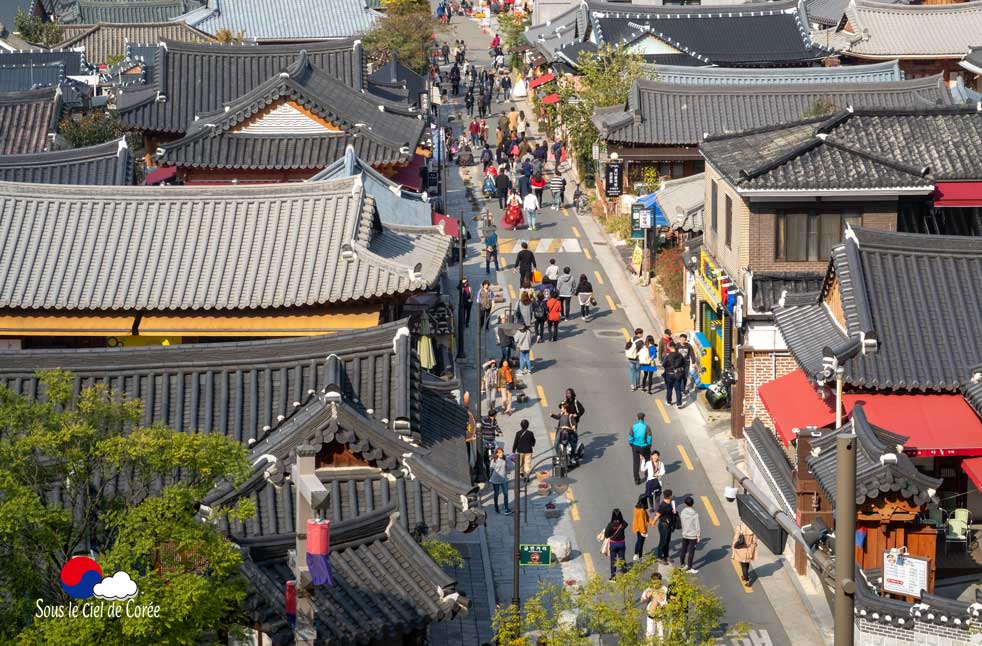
531,356
664,413
685,458
600,279
565,212
576,232
552,435
710,511
542,397
574,511
610,301
736,568
511,292
588,562
586,252
627,335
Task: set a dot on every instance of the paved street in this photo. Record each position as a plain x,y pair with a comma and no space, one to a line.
589,358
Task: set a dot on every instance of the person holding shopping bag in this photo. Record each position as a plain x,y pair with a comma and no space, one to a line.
614,534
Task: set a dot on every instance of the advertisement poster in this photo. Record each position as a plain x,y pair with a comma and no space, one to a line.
904,574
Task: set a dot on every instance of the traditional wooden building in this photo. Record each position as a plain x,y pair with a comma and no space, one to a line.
108,164
104,41
135,265
389,451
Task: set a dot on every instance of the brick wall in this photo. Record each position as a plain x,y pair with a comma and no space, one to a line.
871,633
759,368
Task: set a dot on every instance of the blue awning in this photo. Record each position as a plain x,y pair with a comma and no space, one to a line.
648,201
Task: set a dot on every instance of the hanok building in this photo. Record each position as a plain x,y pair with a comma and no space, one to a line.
662,124
30,120
265,114
91,12
182,264
104,41
268,22
765,34
108,164
389,451
779,198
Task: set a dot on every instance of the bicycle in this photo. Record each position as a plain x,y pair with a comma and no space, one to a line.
580,200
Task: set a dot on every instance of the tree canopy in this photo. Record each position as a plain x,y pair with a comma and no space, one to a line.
80,475
408,30
37,31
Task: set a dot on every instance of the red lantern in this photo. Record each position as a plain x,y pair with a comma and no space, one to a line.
291,602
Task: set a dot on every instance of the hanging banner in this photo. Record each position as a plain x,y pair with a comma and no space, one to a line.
636,258
614,178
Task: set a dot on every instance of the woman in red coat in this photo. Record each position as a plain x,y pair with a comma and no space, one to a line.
513,217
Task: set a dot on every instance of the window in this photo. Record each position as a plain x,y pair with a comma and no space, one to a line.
712,201
728,222
809,235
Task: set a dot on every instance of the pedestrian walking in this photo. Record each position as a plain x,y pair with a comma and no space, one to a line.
688,353
489,438
584,295
499,479
491,251
523,343
555,311
663,342
474,128
505,381
445,50
524,446
504,340
465,302
557,153
524,185
675,368
551,274
639,525
525,264
744,550
665,521
614,533
538,185
502,184
469,104
540,313
504,88
654,597
565,285
647,363
639,440
689,521
654,471
485,299
531,206
490,381
512,119
524,310
558,187
631,351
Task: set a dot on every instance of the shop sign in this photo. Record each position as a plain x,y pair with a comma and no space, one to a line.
904,574
716,282
614,174
640,215
534,555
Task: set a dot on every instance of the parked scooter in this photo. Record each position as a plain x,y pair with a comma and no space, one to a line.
718,392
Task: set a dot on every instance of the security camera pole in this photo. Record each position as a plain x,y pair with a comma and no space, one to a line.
845,538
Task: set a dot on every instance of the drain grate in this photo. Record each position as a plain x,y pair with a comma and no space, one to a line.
610,334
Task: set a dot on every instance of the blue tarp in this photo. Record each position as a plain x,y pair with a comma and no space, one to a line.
648,201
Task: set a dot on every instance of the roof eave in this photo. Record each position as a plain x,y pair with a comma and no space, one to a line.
846,192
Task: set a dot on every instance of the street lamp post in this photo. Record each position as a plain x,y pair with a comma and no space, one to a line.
462,247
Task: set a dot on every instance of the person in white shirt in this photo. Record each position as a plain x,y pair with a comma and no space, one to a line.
654,471
552,274
531,206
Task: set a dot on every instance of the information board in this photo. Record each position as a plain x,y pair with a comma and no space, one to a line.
534,555
903,574
638,214
614,178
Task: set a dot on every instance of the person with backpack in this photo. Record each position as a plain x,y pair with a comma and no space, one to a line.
647,359
523,343
540,313
665,521
565,285
631,351
654,597
639,440
554,312
675,368
688,353
614,535
487,160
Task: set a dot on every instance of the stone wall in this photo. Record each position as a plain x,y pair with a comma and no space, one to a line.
871,633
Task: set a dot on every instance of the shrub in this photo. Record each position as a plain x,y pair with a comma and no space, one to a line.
36,31
670,274
93,128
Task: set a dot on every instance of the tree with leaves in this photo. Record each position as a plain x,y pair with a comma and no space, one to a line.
539,622
37,31
96,127
512,29
80,475
407,30
605,79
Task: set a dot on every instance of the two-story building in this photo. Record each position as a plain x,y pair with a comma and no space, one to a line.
779,198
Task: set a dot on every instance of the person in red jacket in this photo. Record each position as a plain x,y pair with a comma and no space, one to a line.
555,312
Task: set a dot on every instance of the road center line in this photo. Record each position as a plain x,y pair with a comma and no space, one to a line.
588,562
627,336
600,279
542,397
709,510
586,252
685,457
565,212
664,413
576,232
511,292
736,568
610,301
574,511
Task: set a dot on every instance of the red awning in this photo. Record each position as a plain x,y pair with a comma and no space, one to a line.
155,177
793,403
938,424
958,194
542,80
409,176
551,99
973,469
451,226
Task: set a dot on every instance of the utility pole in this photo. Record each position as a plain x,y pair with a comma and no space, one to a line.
516,599
845,538
461,233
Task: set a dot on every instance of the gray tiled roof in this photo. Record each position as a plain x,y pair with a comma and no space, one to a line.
880,273
569,27
205,248
191,79
875,149
104,40
104,164
18,78
769,287
972,388
767,451
381,132
385,585
871,73
682,201
395,204
873,476
272,20
973,60
827,13
394,77
661,114
29,119
880,30
73,61
90,12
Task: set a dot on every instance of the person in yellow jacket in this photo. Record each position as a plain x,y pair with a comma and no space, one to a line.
639,525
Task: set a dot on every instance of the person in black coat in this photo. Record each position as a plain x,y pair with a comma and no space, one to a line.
524,186
503,184
465,303
614,531
675,368
524,446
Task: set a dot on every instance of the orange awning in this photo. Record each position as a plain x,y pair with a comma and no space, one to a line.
793,403
256,325
65,325
973,469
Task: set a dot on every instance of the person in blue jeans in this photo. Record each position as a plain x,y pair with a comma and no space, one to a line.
631,351
491,252
615,533
675,367
499,479
640,442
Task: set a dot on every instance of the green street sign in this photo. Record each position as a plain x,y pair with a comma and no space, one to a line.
534,555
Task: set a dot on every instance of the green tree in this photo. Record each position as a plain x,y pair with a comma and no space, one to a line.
693,614
407,33
605,80
442,552
37,31
97,127
512,31
61,460
538,623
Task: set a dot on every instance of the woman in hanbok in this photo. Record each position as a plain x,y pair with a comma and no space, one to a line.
513,217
